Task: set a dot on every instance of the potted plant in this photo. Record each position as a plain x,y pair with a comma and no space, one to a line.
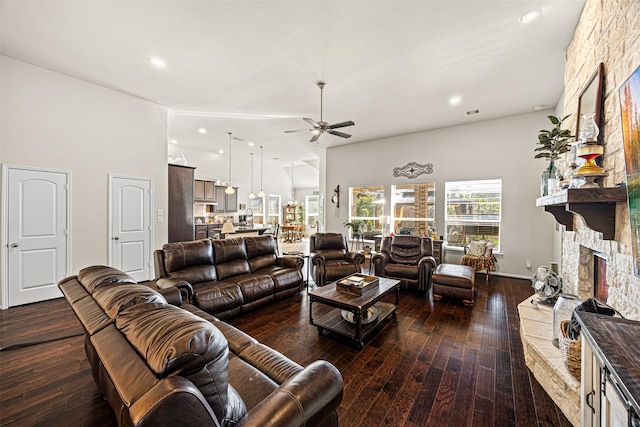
356,225
552,143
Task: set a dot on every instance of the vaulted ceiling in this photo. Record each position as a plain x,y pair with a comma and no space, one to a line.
251,67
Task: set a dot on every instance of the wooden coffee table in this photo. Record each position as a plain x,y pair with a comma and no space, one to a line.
356,324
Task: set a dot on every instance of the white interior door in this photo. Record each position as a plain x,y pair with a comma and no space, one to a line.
130,228
37,224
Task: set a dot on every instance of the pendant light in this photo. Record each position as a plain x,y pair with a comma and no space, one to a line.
252,195
229,189
261,193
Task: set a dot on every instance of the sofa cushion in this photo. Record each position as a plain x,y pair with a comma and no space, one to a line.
283,277
255,287
231,258
261,252
175,341
196,274
401,271
180,255
217,297
116,298
99,275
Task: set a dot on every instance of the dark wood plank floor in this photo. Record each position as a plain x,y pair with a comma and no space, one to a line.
436,364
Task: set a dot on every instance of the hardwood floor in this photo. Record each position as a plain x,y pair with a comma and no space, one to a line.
436,364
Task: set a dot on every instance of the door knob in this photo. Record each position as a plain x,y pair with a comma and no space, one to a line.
116,238
14,245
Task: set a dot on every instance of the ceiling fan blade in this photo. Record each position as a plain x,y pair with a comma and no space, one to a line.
311,122
297,130
341,125
315,137
340,134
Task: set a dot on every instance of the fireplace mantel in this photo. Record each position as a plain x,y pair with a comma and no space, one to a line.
597,206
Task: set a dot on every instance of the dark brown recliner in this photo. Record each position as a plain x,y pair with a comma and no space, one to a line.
331,258
408,259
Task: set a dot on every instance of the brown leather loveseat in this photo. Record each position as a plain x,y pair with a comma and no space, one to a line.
162,365
408,259
231,276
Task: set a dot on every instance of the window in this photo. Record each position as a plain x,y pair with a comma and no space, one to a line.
473,211
275,211
311,204
367,205
413,208
257,206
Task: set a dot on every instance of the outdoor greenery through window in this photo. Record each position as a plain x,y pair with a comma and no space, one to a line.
473,211
312,209
413,207
275,210
367,205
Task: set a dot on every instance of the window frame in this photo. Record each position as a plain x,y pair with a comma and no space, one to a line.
471,215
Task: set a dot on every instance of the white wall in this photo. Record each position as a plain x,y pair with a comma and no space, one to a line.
50,120
501,148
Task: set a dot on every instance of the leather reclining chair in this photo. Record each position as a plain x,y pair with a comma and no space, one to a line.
408,259
331,258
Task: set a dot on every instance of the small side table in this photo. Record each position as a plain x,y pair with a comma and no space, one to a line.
307,261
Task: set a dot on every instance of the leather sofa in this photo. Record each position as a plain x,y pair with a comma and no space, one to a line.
158,364
331,258
408,259
229,277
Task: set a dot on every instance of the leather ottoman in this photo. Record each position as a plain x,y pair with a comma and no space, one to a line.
455,281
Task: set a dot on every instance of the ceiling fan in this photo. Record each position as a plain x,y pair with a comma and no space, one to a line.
321,127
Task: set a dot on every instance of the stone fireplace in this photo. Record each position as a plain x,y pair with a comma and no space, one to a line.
585,253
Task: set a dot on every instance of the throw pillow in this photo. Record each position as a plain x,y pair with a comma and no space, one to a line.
477,248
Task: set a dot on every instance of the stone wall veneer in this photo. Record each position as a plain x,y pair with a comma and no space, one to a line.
608,33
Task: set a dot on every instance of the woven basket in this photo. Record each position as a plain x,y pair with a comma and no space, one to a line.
571,351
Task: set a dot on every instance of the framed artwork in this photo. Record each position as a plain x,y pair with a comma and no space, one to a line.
630,116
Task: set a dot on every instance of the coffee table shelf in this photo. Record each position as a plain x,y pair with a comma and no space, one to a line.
331,319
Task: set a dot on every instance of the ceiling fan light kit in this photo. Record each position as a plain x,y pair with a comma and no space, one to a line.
318,128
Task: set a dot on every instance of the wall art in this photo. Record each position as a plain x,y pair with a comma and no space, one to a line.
630,116
412,170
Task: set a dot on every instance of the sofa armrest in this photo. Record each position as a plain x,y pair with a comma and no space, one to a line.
379,262
172,401
291,262
185,288
356,258
307,398
428,260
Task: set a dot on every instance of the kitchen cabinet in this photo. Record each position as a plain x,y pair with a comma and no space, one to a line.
181,198
225,202
610,380
201,232
205,231
204,191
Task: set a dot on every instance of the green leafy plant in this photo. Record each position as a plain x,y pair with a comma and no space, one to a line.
554,142
356,225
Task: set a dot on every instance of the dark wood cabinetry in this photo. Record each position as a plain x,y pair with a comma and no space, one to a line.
204,191
204,231
181,197
225,202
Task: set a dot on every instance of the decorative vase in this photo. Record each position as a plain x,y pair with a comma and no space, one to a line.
181,160
550,179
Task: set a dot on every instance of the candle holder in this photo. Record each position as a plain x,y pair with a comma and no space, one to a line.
589,151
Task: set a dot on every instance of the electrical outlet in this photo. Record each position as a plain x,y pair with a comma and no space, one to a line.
528,263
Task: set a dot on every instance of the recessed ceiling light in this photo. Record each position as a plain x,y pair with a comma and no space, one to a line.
157,62
174,141
539,107
530,16
202,130
251,144
220,151
455,100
